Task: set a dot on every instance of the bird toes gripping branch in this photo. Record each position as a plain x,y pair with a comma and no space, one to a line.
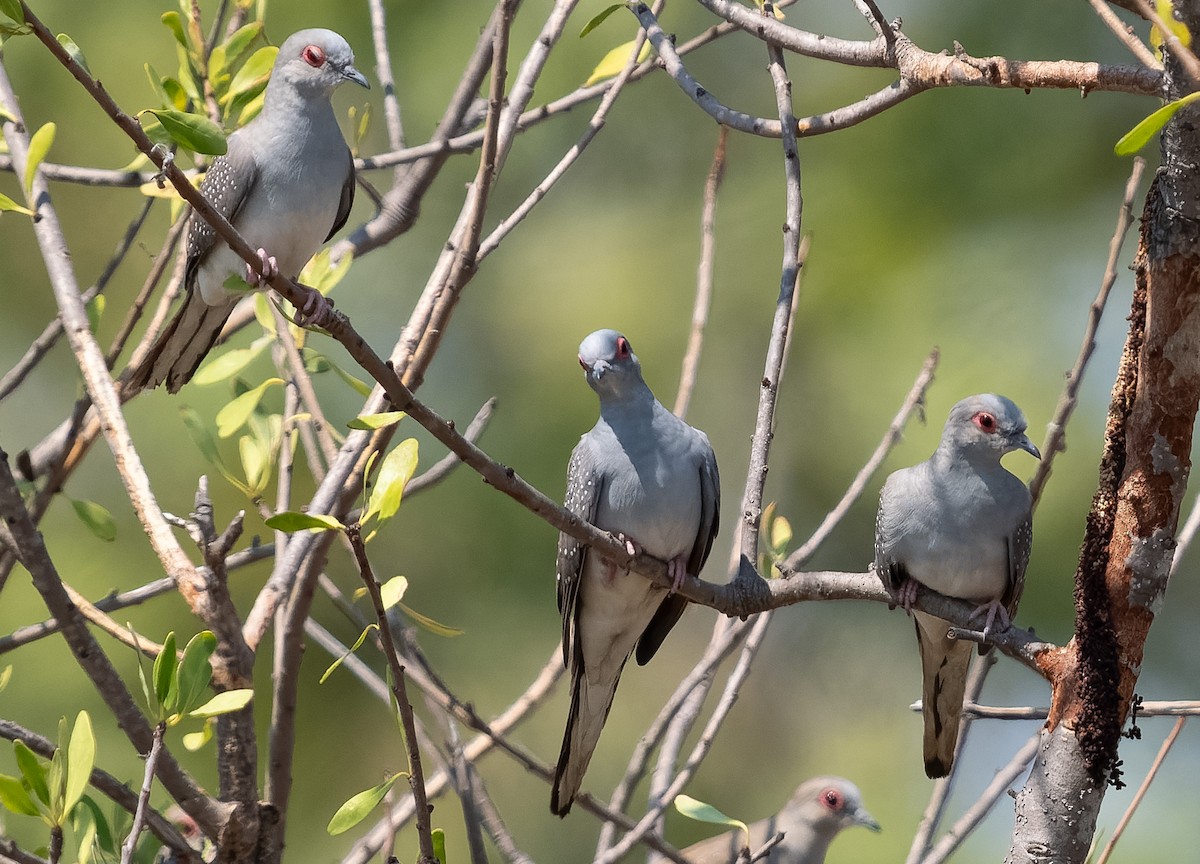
906,595
994,611
317,310
268,265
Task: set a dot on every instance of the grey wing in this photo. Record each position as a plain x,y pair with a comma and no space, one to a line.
227,184
347,199
584,487
1020,544
671,608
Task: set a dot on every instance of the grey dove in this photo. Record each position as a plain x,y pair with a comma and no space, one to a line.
286,183
817,812
961,524
647,477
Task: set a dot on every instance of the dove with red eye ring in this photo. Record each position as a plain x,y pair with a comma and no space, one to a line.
961,524
817,812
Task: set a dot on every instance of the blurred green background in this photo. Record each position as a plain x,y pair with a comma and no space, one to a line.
974,220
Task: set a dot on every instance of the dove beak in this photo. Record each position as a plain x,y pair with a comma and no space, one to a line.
1022,441
865,819
352,74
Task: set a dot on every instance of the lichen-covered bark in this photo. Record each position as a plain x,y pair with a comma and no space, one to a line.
1129,541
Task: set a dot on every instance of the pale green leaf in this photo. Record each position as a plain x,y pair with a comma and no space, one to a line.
5,676
599,19
435,627
12,206
12,8
97,519
14,797
392,591
614,62
95,311
362,637
321,273
292,521
193,741
195,671
237,411
701,812
256,463
241,40
39,146
223,703
1139,136
81,758
193,131
200,434
359,807
251,78
33,770
376,421
73,50
781,534
175,24
395,471
224,366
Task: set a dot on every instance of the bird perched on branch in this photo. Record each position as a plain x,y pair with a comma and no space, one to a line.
650,479
286,184
961,524
817,812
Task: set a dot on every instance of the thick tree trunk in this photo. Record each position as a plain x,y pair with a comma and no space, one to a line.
1130,537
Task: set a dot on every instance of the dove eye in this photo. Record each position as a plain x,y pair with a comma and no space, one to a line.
832,799
622,347
985,421
313,56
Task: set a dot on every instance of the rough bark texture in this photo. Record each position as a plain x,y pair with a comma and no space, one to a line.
1129,541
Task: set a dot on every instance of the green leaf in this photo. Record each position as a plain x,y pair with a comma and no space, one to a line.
359,806
39,145
435,627
321,273
71,48
438,836
376,421
16,26
599,19
193,131
292,521
165,670
362,637
32,770
394,473
14,797
175,24
781,535
104,836
95,311
5,676
223,703
193,741
701,812
237,44
1139,136
224,366
237,411
1167,13
81,758
97,519
12,206
12,8
201,434
83,824
156,84
614,62
194,672
251,79
56,777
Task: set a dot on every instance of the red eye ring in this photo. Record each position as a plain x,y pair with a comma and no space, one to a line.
831,798
985,421
623,350
313,56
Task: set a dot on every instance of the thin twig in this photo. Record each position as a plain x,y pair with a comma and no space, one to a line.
1142,790
416,776
704,276
139,815
970,820
1056,430
1181,52
1172,708
1124,34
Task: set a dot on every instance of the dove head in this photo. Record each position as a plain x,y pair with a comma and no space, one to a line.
611,367
314,62
830,804
986,425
